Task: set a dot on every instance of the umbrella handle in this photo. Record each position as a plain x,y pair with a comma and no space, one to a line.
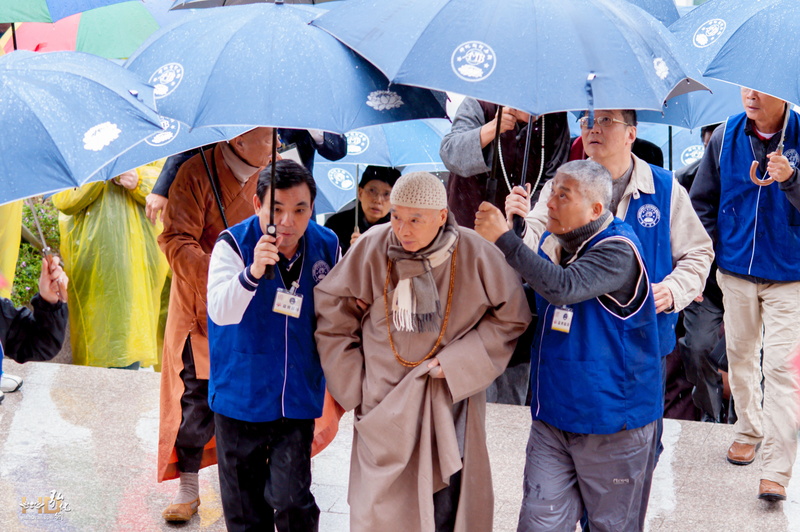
754,177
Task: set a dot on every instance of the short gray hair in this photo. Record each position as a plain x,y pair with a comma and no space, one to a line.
593,178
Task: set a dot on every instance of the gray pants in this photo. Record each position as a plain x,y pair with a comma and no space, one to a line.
608,474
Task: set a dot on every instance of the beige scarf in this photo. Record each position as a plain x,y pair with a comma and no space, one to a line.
239,168
416,306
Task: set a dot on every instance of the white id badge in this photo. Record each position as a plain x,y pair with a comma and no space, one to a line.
562,319
287,303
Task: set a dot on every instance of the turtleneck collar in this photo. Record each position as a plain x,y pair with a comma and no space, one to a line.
573,240
239,168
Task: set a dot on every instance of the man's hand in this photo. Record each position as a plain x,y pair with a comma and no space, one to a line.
507,123
518,202
129,179
354,236
779,168
154,205
490,222
265,254
53,281
436,370
663,296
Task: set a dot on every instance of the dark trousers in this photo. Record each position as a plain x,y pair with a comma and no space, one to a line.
702,350
445,505
265,474
197,419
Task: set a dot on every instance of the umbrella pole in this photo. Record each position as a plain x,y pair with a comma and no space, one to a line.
669,130
214,188
14,34
491,185
46,250
269,272
517,220
754,165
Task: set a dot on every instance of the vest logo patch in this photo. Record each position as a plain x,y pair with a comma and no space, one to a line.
171,129
648,215
709,32
692,154
793,156
320,270
166,79
341,178
357,142
473,61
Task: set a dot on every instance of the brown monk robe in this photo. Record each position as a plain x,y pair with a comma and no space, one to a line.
414,433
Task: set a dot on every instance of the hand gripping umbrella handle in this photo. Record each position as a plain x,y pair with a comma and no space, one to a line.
754,165
754,177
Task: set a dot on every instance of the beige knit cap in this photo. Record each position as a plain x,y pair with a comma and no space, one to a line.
420,190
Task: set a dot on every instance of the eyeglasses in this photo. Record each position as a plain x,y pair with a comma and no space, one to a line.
374,193
602,121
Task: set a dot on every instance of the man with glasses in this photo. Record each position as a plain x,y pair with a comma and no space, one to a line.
372,206
677,251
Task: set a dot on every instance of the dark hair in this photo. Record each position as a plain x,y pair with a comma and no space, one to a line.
288,174
386,174
629,117
709,129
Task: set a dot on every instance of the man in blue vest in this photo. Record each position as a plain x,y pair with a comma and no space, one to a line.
756,231
266,385
596,364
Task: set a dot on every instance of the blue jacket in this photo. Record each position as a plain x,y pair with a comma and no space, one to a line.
605,374
758,229
267,366
649,217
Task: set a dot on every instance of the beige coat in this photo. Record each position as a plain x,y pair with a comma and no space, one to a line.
405,444
692,249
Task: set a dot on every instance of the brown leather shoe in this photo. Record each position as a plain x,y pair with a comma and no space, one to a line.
180,513
741,453
771,491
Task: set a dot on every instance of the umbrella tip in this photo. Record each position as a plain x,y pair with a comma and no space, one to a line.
135,94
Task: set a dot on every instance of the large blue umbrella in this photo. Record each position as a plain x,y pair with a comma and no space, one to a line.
65,115
536,55
263,65
698,108
664,10
748,43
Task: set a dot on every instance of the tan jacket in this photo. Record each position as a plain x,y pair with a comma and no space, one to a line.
406,443
692,249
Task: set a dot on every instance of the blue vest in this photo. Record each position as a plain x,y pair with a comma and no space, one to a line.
758,230
267,366
649,217
605,374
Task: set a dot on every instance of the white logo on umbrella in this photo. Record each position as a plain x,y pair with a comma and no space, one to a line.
384,100
661,68
166,79
473,61
648,215
98,137
709,32
357,142
692,154
171,129
341,178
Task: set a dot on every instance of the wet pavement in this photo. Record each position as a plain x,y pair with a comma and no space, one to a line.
78,453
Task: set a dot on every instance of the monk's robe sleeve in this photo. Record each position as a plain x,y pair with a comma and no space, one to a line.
472,361
338,332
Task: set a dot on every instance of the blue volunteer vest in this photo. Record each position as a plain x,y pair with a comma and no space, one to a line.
758,230
267,366
649,217
605,374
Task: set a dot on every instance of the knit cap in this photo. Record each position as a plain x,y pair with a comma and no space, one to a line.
420,190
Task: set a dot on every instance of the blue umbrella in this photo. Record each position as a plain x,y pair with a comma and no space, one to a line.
174,138
664,10
536,55
411,143
748,43
699,108
687,146
263,65
65,115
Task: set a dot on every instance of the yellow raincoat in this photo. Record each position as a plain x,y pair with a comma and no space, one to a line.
116,272
10,233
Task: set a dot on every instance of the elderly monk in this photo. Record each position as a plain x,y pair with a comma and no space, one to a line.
412,326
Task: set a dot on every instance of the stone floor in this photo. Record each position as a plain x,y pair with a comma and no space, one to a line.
89,435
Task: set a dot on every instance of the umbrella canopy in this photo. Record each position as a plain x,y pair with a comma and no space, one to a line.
664,10
64,116
184,4
114,31
264,65
699,108
46,10
536,55
748,43
411,143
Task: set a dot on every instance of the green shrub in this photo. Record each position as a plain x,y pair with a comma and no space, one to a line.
29,263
